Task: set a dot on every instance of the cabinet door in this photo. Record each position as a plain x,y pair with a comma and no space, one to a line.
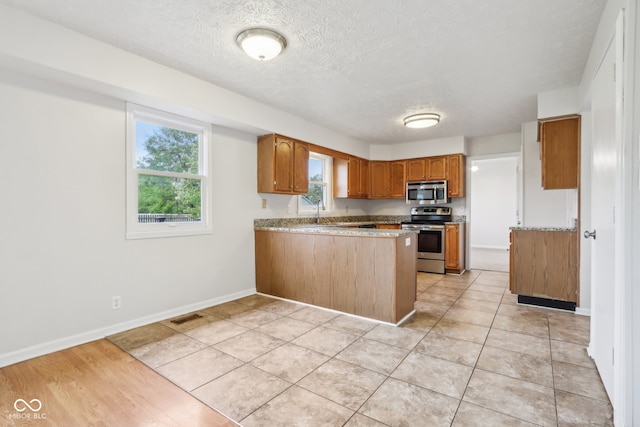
455,175
364,179
417,169
380,182
452,248
283,165
438,167
559,152
398,186
340,178
353,188
301,168
283,159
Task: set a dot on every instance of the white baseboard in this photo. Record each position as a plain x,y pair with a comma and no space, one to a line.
27,353
583,311
344,313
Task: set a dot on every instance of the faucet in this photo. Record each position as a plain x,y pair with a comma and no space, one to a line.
320,202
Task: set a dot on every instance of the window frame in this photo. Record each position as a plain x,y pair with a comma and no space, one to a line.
136,230
327,162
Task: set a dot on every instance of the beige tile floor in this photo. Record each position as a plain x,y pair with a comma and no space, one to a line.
470,356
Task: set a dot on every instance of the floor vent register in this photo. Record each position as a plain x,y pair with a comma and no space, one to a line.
185,319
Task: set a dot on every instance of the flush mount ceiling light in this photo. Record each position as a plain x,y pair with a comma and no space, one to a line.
422,120
261,44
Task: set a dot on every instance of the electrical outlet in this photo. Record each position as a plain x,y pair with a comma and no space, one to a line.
346,209
264,203
116,303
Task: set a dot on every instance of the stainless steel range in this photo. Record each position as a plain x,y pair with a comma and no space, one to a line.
429,223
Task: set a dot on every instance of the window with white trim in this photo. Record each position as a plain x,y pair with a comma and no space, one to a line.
167,174
320,186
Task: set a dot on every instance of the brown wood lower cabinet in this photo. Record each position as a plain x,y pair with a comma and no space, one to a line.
454,248
373,277
544,264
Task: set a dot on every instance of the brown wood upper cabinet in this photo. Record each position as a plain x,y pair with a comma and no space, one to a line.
387,179
283,165
364,187
427,168
437,167
559,151
417,169
351,178
398,186
380,180
455,175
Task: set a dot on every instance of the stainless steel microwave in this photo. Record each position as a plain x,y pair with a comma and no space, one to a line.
427,193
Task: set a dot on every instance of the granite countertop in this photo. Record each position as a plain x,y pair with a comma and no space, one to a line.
331,220
343,226
339,230
542,228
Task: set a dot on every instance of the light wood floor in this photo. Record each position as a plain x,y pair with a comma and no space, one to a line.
97,384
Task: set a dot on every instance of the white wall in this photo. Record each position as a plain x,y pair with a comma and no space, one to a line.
542,208
494,144
558,102
63,224
493,201
409,150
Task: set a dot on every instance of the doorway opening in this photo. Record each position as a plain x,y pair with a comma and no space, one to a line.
493,208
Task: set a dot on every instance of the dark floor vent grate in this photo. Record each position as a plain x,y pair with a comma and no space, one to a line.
545,302
184,319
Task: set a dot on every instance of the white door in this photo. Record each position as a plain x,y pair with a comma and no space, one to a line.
603,181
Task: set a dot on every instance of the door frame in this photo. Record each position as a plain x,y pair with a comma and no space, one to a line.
627,400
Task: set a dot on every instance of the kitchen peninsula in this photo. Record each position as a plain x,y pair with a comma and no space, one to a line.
544,266
368,272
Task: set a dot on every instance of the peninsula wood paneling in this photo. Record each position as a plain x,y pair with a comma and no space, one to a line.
544,264
405,273
372,277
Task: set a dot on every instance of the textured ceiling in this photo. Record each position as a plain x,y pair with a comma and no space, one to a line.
360,66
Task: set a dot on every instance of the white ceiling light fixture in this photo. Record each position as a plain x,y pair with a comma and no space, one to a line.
261,44
422,120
